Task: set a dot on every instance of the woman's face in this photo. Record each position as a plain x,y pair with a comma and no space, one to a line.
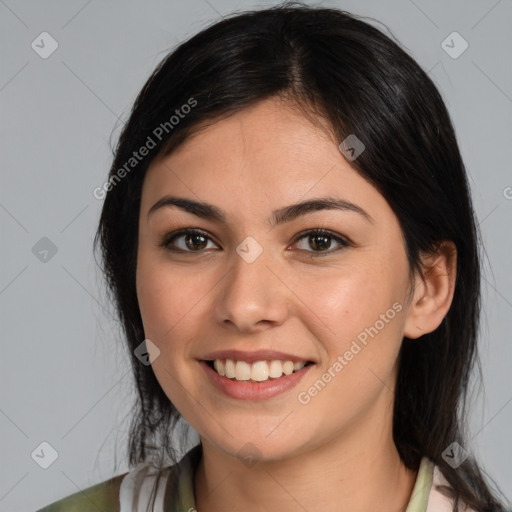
254,283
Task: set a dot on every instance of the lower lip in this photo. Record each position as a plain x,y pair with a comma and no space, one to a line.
249,390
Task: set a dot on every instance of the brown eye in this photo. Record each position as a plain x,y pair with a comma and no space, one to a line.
191,240
321,241
195,240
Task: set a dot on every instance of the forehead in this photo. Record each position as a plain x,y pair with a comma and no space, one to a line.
268,154
271,128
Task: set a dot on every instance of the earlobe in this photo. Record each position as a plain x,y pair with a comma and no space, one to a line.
433,292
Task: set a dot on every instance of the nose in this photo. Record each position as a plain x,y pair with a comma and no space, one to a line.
253,295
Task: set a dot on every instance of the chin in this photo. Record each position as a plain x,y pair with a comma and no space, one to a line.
265,446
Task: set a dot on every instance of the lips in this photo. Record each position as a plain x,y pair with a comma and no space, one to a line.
255,375
254,356
251,390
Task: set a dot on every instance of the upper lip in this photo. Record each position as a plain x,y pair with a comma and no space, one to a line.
253,356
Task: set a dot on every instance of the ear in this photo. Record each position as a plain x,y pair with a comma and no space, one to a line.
433,293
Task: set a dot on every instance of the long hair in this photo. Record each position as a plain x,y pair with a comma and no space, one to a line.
340,68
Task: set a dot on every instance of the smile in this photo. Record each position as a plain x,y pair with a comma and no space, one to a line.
242,386
259,371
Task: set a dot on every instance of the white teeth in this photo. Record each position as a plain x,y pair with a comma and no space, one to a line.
288,367
230,368
276,369
219,367
242,370
298,366
259,371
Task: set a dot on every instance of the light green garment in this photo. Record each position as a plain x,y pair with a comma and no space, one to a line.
421,490
179,491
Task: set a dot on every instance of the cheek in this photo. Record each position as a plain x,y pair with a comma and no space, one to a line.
351,297
167,309
362,320
164,297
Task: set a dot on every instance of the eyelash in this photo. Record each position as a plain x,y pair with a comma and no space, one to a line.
169,238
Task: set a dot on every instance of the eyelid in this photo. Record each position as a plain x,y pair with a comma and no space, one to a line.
167,238
343,241
322,231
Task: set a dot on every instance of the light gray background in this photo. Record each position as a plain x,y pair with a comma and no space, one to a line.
64,375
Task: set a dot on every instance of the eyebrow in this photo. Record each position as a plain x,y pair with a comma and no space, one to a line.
280,216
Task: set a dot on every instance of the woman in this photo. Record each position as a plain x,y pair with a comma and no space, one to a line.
289,238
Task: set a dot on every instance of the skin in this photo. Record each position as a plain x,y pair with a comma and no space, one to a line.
336,452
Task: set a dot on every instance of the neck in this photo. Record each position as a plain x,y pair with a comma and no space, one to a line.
358,471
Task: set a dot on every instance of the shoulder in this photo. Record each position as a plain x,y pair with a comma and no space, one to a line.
171,488
439,501
103,496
